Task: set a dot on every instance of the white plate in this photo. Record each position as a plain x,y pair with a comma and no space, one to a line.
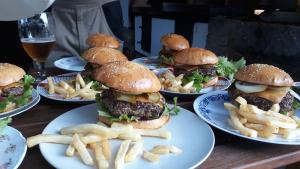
11,10
56,79
150,62
189,133
12,148
210,108
71,64
35,99
223,84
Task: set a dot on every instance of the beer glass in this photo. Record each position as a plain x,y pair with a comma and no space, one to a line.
37,35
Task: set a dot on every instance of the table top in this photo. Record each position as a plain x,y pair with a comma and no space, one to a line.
229,151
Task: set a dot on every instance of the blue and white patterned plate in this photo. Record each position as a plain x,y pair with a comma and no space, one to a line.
34,100
56,79
12,148
71,64
210,107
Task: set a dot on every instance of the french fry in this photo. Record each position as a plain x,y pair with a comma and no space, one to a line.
175,150
150,156
239,126
66,86
120,158
48,138
106,149
82,151
83,90
50,85
160,149
134,136
275,108
60,90
260,127
91,138
88,95
134,151
155,133
297,120
70,151
86,129
80,80
265,134
77,85
102,163
241,100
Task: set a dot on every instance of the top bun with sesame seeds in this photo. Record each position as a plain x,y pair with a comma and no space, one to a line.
127,77
264,74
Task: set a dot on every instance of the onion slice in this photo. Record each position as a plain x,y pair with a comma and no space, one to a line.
250,87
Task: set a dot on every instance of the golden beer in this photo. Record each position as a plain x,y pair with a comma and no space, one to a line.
37,49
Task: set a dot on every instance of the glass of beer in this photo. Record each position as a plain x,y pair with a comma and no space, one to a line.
37,35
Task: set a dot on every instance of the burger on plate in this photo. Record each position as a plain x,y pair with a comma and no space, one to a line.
133,96
102,40
264,85
98,56
15,87
198,67
172,43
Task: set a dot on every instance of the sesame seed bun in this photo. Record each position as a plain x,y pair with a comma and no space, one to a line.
127,77
10,73
146,124
174,42
101,55
195,56
102,40
264,74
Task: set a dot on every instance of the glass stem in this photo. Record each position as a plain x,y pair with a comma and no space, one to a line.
41,71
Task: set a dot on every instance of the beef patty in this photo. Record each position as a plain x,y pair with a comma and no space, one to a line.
262,103
204,70
143,110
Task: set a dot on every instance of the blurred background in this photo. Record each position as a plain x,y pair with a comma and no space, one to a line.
264,31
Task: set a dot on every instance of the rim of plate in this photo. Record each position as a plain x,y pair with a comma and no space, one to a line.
233,131
40,90
210,131
35,100
20,160
60,63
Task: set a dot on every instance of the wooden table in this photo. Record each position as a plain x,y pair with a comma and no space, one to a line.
229,151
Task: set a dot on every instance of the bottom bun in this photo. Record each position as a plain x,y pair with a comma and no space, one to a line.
211,82
146,124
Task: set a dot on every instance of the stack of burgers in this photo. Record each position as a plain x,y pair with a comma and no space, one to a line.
103,49
196,64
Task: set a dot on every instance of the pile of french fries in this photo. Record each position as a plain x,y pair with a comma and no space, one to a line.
174,83
251,121
96,137
72,88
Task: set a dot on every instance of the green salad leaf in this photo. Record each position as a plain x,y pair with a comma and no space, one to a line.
296,104
4,123
198,79
166,59
95,86
171,110
228,68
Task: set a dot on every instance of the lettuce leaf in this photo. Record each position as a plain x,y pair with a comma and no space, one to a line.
4,123
198,79
166,59
171,110
95,86
296,104
227,68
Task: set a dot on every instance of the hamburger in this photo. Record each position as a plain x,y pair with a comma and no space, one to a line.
263,85
102,40
197,65
15,87
133,96
172,44
98,56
